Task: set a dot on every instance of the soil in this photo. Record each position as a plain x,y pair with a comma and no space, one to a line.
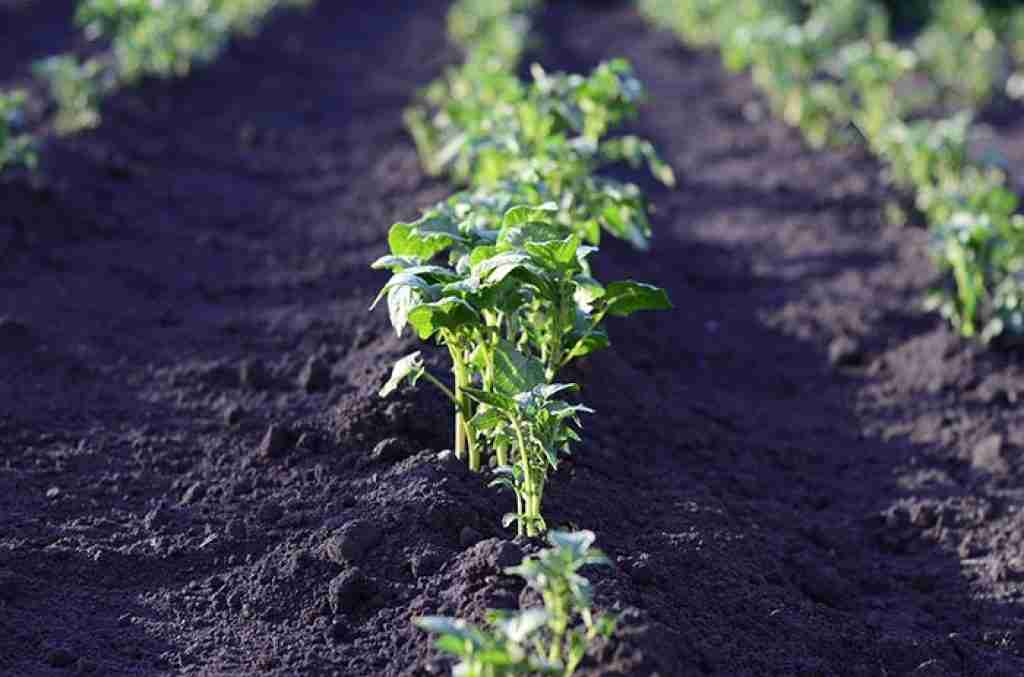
796,472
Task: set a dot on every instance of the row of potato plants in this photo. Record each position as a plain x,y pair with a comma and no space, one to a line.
142,39
833,70
137,39
499,274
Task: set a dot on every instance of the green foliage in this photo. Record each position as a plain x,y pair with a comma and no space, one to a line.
961,52
147,39
499,273
494,32
542,142
17,148
78,88
514,303
829,69
552,640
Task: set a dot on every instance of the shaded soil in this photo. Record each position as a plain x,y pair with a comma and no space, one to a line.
796,472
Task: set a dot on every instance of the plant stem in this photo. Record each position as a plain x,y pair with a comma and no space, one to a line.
463,434
519,511
501,451
524,456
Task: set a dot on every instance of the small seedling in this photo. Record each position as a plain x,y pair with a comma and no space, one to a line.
552,640
17,148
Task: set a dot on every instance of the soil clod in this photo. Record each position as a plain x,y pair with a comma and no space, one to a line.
353,542
315,375
276,442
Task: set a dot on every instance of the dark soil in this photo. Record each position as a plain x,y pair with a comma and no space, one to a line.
796,472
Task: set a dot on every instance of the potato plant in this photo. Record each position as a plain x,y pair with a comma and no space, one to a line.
831,70
543,142
17,148
549,640
513,307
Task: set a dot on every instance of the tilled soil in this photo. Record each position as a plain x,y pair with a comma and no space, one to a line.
796,472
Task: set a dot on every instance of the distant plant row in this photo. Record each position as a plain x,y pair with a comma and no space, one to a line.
139,39
831,69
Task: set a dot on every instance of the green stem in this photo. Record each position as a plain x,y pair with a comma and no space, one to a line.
524,459
501,450
519,511
463,433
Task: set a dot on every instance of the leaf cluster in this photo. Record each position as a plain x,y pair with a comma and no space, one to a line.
548,640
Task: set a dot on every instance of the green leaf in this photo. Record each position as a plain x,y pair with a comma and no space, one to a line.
517,216
549,390
483,252
433,274
401,301
394,263
587,291
448,313
497,268
557,254
410,366
457,646
486,419
576,542
424,238
563,411
627,297
402,279
514,372
533,231
589,343
519,627
496,400
444,625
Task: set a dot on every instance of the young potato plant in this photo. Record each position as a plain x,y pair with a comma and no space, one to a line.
513,306
78,87
544,142
537,427
492,31
549,640
17,148
960,51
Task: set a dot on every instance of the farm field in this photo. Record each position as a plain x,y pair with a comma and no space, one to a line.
797,470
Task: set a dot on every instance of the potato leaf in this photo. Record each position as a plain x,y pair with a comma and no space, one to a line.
422,239
627,297
448,313
409,367
515,372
